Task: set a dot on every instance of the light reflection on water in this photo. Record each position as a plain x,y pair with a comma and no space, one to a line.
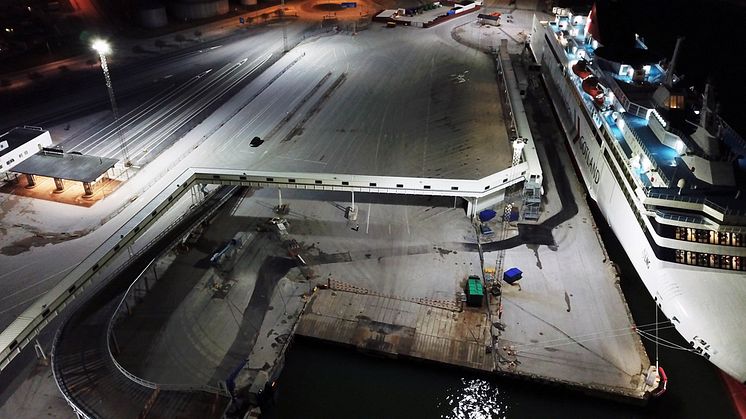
474,399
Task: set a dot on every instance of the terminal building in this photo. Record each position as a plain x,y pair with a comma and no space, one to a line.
29,151
19,144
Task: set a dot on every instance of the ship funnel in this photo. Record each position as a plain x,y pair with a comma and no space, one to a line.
672,66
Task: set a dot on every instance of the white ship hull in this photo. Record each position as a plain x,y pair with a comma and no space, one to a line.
705,305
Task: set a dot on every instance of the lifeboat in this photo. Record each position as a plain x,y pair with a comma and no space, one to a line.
594,89
581,69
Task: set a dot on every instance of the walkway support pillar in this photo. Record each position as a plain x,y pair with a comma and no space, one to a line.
470,207
59,184
475,205
87,188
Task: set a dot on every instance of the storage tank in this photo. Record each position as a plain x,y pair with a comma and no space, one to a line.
197,9
151,14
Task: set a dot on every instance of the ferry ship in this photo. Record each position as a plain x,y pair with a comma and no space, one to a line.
662,167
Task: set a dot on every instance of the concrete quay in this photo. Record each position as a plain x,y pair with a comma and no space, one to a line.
566,323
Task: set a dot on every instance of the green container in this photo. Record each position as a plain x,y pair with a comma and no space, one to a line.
474,292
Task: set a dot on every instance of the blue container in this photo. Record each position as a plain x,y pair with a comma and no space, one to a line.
487,215
512,275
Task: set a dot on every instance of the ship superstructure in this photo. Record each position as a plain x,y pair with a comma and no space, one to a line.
663,168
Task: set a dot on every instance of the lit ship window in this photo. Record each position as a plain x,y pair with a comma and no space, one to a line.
710,237
735,263
676,102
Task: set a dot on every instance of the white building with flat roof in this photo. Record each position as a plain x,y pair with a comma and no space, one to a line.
20,143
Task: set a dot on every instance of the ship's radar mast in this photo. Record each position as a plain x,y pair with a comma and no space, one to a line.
704,136
672,67
662,95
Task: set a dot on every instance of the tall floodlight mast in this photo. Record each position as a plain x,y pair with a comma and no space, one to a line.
103,48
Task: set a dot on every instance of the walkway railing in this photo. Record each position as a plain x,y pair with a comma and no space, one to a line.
681,218
694,199
83,361
518,122
132,377
119,309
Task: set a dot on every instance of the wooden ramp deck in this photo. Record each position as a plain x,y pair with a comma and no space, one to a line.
399,328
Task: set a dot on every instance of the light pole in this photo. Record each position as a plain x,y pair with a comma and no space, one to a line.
102,48
284,28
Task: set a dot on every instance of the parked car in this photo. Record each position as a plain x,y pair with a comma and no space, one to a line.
256,142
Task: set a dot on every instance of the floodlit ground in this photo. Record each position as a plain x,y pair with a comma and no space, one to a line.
329,9
394,103
409,103
198,322
368,118
407,247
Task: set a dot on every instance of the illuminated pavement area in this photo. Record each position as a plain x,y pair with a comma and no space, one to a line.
183,331
379,103
567,322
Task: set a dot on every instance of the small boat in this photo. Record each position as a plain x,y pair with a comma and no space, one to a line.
594,89
581,69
